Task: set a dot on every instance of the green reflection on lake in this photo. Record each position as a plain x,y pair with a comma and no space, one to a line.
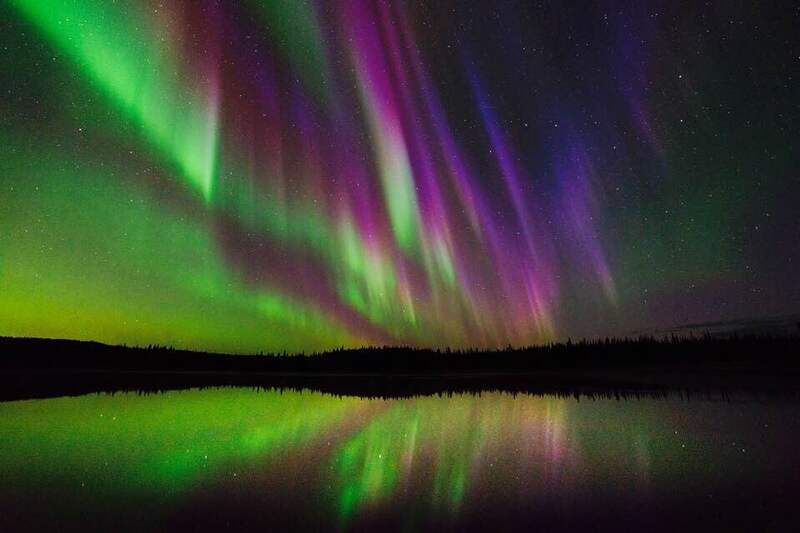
163,459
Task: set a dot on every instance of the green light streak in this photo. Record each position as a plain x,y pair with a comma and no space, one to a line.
131,62
368,282
394,169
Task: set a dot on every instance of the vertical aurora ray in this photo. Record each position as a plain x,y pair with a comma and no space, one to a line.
535,274
575,175
378,99
375,172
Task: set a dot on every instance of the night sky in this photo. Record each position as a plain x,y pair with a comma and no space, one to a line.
306,174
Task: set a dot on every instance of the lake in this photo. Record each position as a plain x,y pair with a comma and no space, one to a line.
246,458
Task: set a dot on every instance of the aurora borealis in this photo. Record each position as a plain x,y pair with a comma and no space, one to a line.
299,175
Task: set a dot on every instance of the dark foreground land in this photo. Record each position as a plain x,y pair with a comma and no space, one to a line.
38,368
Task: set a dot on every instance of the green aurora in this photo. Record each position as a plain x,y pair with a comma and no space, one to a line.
303,175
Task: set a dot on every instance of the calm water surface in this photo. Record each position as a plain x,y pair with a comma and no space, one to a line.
219,458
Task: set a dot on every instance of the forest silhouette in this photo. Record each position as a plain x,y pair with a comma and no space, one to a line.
687,365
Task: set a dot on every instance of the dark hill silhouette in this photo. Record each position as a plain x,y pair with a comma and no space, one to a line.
645,365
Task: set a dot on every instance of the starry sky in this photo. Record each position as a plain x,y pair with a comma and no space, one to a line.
305,174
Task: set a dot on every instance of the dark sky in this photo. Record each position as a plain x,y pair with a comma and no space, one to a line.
307,174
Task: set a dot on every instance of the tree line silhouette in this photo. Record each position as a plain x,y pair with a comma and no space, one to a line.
706,364
672,351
